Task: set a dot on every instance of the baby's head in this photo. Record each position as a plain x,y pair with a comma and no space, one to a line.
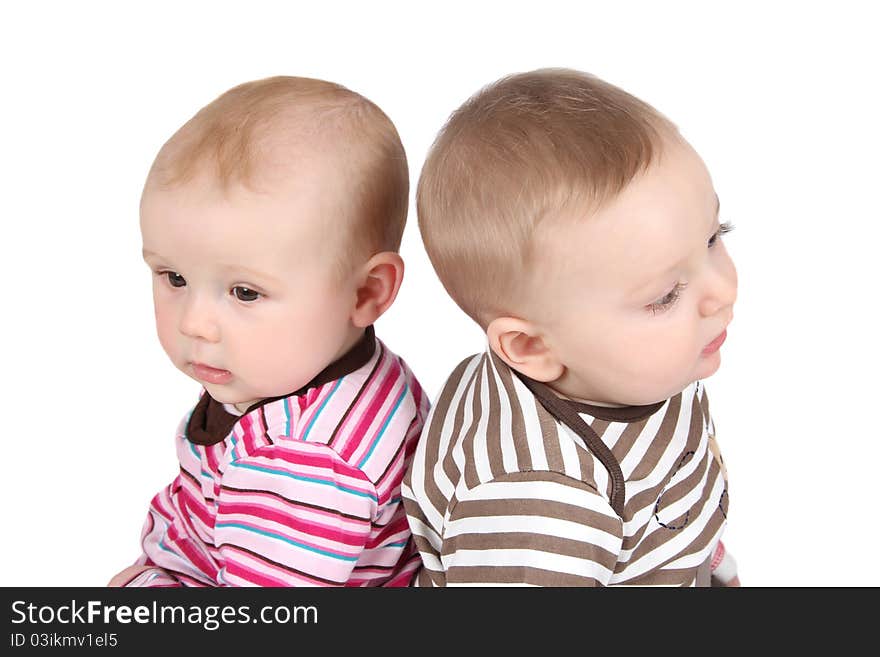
574,223
271,221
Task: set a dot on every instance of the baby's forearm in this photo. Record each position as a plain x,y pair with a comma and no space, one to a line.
124,576
143,575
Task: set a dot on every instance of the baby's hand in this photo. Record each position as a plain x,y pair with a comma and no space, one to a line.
126,575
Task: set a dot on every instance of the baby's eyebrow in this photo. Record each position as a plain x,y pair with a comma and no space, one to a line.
250,272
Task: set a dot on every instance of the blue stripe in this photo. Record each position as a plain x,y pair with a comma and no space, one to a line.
326,553
312,480
287,414
195,452
384,425
321,408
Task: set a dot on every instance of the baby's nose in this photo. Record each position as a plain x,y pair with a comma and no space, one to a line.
720,292
198,320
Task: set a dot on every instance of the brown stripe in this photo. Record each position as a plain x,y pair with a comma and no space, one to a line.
599,426
538,509
627,439
658,577
550,435
704,403
516,575
493,428
265,425
587,463
432,439
659,443
469,474
525,541
428,577
518,426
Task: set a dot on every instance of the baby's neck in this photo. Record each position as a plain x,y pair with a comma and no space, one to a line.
590,402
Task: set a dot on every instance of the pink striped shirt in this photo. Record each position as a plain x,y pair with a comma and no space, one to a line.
302,490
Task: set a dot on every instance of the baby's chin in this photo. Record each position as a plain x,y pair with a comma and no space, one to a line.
707,366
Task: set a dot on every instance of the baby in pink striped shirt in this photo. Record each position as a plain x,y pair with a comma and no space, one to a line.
271,222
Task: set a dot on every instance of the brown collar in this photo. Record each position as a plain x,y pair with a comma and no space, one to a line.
210,423
567,412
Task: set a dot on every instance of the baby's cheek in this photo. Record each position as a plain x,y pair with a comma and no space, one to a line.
165,331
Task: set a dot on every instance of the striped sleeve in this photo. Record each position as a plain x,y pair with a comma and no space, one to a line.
174,557
531,528
292,514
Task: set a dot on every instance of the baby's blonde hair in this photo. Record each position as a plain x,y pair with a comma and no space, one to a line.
251,132
531,146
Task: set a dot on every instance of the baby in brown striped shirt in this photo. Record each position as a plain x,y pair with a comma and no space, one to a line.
581,231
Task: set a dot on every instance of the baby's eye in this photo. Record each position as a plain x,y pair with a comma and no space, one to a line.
668,300
245,293
723,229
175,279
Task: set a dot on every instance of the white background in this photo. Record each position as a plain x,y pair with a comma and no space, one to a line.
779,98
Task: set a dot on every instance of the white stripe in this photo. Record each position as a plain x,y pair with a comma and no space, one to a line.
420,464
569,451
508,451
670,456
481,449
491,584
530,559
537,525
542,490
612,433
534,437
644,440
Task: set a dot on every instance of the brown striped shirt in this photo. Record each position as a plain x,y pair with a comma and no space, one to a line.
512,485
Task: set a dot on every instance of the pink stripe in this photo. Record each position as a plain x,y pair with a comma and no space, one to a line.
263,576
365,446
349,516
389,485
391,533
318,546
181,546
315,455
290,521
248,476
197,506
368,414
252,576
376,369
197,558
306,417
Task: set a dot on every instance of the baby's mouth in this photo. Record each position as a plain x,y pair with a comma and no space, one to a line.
208,374
715,345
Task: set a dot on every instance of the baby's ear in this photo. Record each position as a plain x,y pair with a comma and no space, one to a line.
377,287
520,344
